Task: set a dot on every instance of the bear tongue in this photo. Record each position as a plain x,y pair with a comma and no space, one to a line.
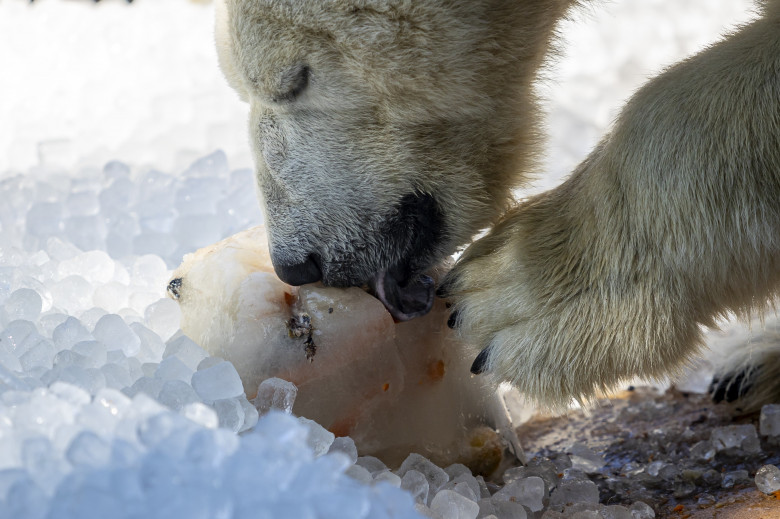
404,300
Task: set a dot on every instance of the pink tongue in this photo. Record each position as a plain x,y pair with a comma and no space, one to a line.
404,302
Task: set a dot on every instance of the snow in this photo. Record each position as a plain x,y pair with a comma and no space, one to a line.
122,149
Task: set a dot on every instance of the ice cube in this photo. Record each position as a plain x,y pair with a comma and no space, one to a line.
510,510
457,469
484,492
641,510
193,231
111,296
23,303
450,504
462,488
94,265
210,166
345,445
94,352
112,331
486,508
372,464
115,169
73,294
70,332
15,336
117,377
547,471
88,450
150,386
703,450
186,350
735,477
201,414
150,244
209,362
82,203
50,320
360,474
40,355
435,475
585,459
527,491
70,393
9,477
768,479
87,232
387,477
68,357
173,369
318,438
44,219
148,369
230,413
44,468
769,424
250,414
574,491
90,317
150,270
176,394
217,382
8,359
60,250
416,484
152,346
26,499
152,430
275,393
741,437
616,512
163,318
118,245
118,196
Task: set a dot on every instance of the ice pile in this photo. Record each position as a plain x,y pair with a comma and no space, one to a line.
104,403
124,213
70,455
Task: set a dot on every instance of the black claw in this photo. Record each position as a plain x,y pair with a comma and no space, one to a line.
732,387
452,322
480,363
443,290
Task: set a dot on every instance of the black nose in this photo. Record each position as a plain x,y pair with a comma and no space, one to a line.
301,273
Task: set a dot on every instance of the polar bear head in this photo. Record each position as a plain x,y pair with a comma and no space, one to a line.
385,133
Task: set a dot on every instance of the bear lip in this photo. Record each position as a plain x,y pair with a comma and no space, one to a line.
404,299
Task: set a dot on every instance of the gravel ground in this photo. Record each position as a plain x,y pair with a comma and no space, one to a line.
650,443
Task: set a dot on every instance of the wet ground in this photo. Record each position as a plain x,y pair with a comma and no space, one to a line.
661,448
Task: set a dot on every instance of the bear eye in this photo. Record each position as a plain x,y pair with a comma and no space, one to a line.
293,83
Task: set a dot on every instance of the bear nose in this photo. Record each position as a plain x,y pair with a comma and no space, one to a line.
301,273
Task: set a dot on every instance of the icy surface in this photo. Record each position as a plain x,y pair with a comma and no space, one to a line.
768,479
110,173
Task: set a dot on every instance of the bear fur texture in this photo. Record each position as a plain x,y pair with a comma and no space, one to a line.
423,114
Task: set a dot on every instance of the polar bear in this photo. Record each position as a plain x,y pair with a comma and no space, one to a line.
387,133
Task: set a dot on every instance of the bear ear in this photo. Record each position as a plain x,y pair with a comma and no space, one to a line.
224,44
